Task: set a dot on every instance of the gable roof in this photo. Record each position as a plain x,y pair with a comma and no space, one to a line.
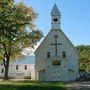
63,34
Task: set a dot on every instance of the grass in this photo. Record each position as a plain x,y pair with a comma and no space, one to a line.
31,85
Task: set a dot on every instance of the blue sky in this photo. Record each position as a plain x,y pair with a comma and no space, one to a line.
75,18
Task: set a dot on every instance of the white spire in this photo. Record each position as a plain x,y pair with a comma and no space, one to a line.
55,18
55,10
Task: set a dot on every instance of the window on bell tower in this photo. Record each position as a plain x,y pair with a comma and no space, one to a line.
55,20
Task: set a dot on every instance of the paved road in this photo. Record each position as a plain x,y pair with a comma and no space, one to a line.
78,85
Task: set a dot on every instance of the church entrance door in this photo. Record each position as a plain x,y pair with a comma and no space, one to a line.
56,74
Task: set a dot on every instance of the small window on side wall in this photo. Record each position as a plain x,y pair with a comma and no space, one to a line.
25,67
48,54
16,67
2,71
64,54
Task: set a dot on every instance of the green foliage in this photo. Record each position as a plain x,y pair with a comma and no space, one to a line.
14,37
84,57
28,85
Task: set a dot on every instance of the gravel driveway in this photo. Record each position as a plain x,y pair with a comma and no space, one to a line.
78,85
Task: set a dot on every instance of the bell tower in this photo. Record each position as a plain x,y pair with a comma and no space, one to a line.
55,18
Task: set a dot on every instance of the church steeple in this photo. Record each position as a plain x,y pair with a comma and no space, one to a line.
55,18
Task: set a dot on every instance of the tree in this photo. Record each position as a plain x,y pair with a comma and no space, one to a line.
14,37
84,57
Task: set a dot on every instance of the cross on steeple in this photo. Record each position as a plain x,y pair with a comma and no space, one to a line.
56,44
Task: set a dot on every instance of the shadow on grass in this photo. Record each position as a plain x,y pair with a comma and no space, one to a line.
41,88
30,87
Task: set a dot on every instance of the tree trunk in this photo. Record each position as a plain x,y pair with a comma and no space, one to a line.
6,73
6,65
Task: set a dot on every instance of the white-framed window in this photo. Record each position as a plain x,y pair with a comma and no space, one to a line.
16,67
2,71
55,20
56,63
48,54
25,67
64,54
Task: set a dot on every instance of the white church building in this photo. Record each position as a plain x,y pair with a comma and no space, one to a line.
56,58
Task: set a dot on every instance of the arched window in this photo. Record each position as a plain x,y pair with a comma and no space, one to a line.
55,20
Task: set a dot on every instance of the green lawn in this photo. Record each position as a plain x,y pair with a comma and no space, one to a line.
31,85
